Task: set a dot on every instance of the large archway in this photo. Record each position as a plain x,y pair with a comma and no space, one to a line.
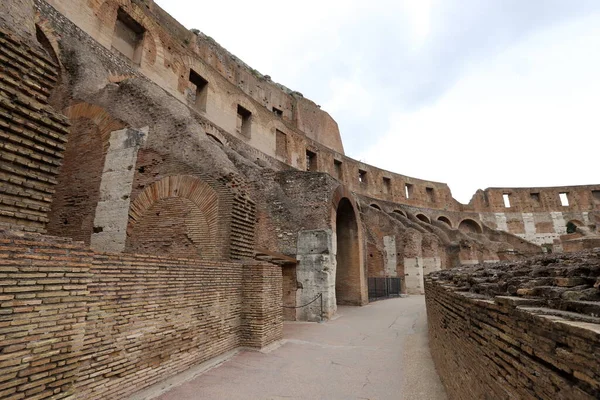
347,275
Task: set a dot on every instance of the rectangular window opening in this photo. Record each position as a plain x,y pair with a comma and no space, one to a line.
201,94
362,176
128,37
596,196
277,112
244,120
387,185
281,144
311,161
535,197
408,190
564,199
430,194
506,198
337,165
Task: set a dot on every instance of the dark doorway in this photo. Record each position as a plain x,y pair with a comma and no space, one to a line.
347,276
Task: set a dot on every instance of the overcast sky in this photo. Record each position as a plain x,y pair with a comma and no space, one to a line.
473,93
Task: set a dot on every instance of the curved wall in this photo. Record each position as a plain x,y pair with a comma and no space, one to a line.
282,124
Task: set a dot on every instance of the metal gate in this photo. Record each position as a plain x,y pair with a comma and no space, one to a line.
381,288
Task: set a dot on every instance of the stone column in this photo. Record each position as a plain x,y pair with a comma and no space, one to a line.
112,211
315,272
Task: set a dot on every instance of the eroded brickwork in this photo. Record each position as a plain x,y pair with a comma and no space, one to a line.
32,135
523,330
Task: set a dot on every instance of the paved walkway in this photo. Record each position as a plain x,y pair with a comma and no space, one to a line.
374,352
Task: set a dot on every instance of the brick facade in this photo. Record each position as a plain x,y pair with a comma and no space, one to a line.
89,325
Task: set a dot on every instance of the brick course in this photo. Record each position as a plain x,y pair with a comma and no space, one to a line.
88,325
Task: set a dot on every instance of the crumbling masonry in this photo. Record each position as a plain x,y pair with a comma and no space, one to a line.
160,200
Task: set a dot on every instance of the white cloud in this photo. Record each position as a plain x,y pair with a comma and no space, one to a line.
528,117
471,93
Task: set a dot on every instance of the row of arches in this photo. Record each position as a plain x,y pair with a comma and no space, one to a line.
466,225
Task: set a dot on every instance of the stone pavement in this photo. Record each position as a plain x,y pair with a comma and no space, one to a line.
374,352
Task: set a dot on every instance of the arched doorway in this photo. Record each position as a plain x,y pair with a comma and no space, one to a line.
347,275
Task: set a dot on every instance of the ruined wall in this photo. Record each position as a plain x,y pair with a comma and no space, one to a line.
538,214
282,125
89,325
32,134
520,330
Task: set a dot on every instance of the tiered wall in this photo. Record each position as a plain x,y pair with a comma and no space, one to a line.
542,342
102,326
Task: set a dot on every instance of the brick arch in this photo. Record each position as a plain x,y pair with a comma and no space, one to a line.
446,220
78,189
204,213
468,225
97,116
49,35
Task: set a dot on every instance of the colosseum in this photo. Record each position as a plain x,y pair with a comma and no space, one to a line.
160,200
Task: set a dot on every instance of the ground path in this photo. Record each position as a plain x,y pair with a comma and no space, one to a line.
375,352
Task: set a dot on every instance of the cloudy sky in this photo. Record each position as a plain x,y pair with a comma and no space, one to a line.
474,93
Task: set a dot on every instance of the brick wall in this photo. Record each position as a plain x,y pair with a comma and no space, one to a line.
507,347
43,294
32,135
106,325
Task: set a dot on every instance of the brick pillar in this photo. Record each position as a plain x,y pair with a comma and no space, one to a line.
262,315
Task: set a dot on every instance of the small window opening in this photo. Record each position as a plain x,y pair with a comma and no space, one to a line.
571,227
281,144
337,165
387,185
128,37
277,112
506,198
564,199
201,94
362,176
244,120
430,194
596,196
408,190
535,197
311,161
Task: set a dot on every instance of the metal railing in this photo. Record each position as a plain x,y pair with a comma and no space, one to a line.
383,288
319,296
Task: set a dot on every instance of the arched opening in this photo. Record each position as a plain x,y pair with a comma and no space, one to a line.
347,275
172,226
573,225
176,215
423,218
445,220
45,43
375,206
469,226
399,212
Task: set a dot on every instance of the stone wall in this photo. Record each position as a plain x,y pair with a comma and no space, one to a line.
89,325
522,330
